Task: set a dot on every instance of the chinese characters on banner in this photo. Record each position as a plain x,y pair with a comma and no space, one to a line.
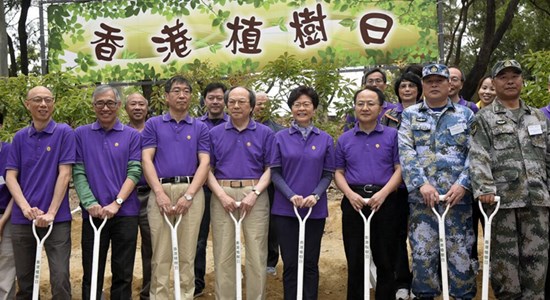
244,34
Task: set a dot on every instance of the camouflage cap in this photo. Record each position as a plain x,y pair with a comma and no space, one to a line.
504,64
435,69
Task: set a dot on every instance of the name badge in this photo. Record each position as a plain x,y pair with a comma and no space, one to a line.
2,181
534,129
456,129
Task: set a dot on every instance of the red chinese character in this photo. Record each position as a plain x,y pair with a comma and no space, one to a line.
107,42
177,40
250,36
308,26
372,31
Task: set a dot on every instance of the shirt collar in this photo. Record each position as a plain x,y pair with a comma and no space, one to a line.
205,117
499,108
49,128
251,125
314,129
167,118
118,126
357,130
424,106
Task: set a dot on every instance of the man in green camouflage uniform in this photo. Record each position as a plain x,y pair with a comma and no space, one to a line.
510,158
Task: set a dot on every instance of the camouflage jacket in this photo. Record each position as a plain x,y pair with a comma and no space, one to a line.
433,148
510,157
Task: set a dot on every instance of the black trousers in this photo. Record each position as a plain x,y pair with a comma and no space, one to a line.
200,256
287,231
121,232
272,242
384,244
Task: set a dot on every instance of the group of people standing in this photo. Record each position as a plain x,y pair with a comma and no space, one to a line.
393,159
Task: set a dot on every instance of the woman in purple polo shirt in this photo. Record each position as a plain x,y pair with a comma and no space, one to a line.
302,165
367,166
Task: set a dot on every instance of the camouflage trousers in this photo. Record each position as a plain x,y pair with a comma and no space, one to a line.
424,240
519,252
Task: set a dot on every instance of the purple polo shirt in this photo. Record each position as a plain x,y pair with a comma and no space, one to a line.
5,195
36,156
211,124
240,155
350,118
105,156
177,144
546,111
302,163
368,158
468,104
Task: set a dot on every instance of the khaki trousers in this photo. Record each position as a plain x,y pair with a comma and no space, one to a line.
7,265
187,232
255,228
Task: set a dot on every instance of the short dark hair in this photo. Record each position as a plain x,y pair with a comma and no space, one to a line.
412,78
300,91
176,79
251,96
371,71
416,69
213,86
381,96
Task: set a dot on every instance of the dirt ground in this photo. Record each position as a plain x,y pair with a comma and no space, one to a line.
332,264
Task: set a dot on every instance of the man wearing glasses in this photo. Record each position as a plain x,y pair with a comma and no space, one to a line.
456,81
175,160
240,152
37,174
106,171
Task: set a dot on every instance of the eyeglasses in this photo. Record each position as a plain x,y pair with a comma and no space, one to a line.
373,81
241,102
362,104
179,91
407,85
302,104
455,79
102,104
38,100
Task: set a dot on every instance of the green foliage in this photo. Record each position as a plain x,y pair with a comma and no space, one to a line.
537,64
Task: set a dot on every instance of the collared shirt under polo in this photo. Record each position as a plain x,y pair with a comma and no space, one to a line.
368,158
240,154
177,144
37,156
302,163
105,156
211,124
5,195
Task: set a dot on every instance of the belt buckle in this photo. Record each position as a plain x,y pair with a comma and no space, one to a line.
239,185
177,179
367,188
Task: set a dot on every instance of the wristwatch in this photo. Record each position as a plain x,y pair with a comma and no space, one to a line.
188,197
317,198
255,191
119,201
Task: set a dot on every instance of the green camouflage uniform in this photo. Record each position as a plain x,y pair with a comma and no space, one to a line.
510,157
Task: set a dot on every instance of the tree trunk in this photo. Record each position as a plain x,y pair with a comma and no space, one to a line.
23,37
3,42
491,39
13,61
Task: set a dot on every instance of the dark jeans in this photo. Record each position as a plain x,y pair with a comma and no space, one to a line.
200,257
383,240
403,274
272,243
287,231
121,232
58,251
146,248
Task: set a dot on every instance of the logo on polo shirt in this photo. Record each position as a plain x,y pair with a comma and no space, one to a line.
377,146
48,148
116,144
313,147
248,144
188,137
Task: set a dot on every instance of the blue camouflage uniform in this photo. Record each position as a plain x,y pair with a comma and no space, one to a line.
433,148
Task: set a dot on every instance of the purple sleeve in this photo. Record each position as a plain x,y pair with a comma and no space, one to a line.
14,155
340,156
135,146
395,150
78,146
204,140
68,148
149,135
329,163
268,147
275,159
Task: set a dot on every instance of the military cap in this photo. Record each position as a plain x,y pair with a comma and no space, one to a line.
435,69
504,64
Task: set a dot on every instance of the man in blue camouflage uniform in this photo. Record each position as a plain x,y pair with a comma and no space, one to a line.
433,150
510,158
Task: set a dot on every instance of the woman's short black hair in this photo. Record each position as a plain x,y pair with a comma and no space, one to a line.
303,90
409,76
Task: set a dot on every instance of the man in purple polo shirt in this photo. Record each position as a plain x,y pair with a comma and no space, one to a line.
175,159
456,81
213,101
240,151
7,265
37,174
367,166
137,108
106,171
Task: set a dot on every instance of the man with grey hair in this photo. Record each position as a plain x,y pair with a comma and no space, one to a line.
106,171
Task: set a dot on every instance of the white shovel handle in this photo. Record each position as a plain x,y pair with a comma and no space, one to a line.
443,248
366,249
175,254
301,250
38,258
95,255
238,271
487,248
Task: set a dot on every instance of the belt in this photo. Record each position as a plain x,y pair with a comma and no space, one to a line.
238,183
367,188
176,179
143,188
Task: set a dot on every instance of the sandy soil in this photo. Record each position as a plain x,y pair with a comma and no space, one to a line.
333,273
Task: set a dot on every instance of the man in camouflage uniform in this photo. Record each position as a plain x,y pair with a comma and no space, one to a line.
510,158
433,150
